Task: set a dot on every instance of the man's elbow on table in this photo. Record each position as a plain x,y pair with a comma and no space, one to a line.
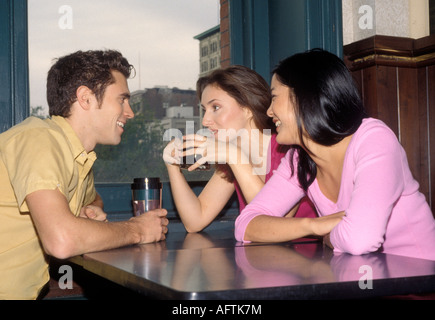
59,246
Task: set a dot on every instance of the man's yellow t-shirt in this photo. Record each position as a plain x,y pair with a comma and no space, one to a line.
36,155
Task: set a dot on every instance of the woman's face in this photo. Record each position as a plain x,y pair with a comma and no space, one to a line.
282,111
223,114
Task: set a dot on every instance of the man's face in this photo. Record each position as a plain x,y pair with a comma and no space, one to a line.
110,118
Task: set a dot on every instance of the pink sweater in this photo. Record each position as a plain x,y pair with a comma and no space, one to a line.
384,209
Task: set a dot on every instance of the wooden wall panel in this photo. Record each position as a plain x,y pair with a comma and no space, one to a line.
386,96
424,132
431,123
409,130
369,90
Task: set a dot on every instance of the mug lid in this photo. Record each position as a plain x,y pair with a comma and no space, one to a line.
146,183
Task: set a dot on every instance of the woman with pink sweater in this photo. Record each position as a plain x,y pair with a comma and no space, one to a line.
352,167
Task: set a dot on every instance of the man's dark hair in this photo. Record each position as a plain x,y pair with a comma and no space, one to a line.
92,69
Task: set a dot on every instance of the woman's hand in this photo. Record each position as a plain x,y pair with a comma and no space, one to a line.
173,152
210,150
322,226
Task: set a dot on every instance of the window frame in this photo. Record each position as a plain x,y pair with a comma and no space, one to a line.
256,38
14,92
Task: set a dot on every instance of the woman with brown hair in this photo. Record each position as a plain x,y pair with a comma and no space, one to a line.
241,143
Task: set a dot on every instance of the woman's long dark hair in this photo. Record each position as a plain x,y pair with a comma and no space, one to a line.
327,103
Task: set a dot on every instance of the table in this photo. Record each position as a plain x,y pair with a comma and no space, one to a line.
212,265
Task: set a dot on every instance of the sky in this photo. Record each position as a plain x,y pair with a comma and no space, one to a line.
156,36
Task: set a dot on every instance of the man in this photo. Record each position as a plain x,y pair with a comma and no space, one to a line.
48,201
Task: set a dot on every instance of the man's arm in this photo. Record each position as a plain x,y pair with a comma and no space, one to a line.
63,235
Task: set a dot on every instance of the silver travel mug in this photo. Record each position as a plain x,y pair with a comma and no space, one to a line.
146,195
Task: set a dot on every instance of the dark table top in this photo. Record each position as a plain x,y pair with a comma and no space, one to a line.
212,265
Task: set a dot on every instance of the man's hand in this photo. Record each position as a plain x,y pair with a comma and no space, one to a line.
93,212
153,225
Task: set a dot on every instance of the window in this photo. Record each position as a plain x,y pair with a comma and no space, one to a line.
204,51
213,47
145,32
213,63
204,66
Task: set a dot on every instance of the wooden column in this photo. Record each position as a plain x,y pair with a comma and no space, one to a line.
225,33
396,78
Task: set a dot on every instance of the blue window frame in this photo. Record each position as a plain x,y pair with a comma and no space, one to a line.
14,88
263,32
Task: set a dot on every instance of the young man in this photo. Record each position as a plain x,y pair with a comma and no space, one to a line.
48,201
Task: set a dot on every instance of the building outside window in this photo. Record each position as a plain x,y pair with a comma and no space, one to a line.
209,42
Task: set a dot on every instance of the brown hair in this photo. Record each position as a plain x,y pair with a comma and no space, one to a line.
250,91
92,69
